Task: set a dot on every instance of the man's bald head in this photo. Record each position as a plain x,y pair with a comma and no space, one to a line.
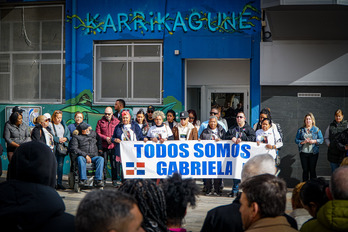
339,183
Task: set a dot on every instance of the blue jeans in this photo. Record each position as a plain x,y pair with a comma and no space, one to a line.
98,162
60,164
334,166
235,185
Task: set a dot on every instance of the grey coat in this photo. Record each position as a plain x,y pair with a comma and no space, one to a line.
18,134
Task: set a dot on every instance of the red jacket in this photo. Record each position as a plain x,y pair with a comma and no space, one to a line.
106,129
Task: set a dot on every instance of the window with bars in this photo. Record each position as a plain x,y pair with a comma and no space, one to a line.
32,54
132,71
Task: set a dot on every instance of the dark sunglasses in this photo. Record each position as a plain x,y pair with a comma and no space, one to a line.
192,117
239,117
150,112
213,113
107,113
47,120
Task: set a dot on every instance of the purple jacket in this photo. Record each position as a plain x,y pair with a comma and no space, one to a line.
106,129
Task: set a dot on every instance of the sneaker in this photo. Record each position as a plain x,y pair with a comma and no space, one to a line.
208,193
114,183
98,183
218,193
83,182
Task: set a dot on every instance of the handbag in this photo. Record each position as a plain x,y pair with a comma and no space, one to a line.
60,148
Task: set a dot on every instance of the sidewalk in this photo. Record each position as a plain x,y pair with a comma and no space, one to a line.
194,218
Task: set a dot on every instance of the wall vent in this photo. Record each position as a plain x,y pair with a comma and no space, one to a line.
308,94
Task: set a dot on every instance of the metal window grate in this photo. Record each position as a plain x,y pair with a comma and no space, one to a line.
308,94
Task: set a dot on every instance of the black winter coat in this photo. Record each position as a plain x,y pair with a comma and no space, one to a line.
37,133
83,145
207,133
32,207
342,141
245,133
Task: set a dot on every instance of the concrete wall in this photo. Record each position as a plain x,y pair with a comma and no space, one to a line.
304,63
288,110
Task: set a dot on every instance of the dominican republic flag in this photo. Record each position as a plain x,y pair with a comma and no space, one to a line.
131,167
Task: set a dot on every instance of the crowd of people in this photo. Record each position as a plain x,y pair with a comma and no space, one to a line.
160,206
158,126
28,201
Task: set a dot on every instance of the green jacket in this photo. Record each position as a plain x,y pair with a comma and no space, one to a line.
333,216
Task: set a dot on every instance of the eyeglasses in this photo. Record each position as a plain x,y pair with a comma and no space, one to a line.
47,120
150,112
213,113
192,117
239,117
107,113
183,119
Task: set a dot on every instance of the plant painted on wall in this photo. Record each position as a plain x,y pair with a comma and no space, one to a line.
193,20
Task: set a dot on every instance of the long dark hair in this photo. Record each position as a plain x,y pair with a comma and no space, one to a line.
191,111
14,117
173,113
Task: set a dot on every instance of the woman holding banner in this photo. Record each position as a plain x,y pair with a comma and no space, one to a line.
128,130
269,136
160,131
216,132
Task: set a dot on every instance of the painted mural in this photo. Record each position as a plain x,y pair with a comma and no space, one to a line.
229,22
83,103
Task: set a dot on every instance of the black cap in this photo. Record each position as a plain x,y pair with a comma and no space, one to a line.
82,126
17,109
150,108
184,114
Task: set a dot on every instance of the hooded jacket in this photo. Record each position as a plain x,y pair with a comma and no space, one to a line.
83,145
331,217
28,200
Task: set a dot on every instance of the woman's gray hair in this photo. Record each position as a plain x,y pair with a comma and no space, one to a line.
257,165
158,113
213,117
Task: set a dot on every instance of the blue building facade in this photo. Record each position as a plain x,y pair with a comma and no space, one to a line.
140,51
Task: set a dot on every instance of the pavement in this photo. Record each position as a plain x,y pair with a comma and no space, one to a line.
194,218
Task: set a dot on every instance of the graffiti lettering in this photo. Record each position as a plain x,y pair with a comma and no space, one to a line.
215,22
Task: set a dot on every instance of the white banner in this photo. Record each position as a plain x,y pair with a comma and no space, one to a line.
192,159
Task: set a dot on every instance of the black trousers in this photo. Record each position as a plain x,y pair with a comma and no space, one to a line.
309,163
110,154
209,185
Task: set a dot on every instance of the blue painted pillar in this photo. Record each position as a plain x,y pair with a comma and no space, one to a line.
255,87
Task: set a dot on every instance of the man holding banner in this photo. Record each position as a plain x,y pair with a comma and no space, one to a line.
241,132
216,132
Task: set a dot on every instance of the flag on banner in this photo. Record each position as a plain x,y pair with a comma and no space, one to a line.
135,168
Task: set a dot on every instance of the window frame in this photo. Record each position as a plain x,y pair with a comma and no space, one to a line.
130,59
58,61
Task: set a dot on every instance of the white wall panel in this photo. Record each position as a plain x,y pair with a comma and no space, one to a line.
304,63
218,72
